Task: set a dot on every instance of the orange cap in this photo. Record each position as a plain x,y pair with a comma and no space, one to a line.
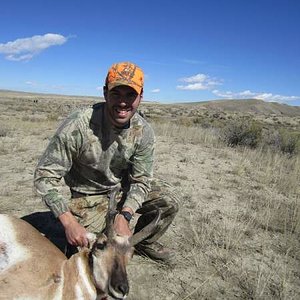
125,73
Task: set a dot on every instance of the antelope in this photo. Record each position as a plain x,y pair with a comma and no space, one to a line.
31,267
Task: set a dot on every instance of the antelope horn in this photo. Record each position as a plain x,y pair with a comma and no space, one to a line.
112,210
147,230
112,198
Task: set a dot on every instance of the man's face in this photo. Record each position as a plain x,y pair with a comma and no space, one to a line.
121,104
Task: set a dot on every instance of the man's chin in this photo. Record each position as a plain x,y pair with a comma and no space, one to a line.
120,122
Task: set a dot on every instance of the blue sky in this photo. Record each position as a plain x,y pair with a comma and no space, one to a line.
189,50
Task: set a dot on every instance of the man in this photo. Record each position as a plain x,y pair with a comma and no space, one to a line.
98,148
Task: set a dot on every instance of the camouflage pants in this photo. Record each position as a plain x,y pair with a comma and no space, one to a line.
91,210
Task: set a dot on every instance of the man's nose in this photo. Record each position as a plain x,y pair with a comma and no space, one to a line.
122,102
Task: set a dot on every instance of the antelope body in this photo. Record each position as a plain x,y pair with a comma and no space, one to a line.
31,267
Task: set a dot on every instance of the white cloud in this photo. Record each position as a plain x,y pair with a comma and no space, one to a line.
155,91
255,95
24,49
32,83
198,82
192,61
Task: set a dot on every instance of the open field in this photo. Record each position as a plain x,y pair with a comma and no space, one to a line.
237,234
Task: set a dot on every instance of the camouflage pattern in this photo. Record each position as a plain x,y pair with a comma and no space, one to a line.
93,157
125,73
91,210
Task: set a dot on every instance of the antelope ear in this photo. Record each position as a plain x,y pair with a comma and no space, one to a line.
147,230
91,238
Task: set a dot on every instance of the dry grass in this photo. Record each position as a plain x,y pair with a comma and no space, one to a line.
184,134
253,246
237,234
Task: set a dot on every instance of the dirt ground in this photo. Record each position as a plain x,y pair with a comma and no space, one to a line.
210,188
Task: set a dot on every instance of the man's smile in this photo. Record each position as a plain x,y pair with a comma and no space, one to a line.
121,111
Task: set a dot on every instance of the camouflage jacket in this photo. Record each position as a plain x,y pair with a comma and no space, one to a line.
92,157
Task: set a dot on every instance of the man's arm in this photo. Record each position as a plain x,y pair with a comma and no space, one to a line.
54,164
76,234
142,172
121,225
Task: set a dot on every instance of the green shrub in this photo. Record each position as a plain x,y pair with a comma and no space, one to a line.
282,140
242,133
290,142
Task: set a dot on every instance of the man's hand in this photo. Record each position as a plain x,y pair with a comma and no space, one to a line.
121,225
76,234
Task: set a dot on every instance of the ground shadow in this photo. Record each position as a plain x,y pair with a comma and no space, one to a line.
50,227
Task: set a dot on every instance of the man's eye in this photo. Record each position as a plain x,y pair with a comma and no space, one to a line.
131,96
128,97
114,95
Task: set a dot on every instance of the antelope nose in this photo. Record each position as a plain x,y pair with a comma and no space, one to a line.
123,288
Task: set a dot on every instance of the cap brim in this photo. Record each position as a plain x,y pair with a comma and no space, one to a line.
112,85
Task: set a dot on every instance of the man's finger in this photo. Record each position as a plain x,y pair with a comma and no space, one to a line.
85,242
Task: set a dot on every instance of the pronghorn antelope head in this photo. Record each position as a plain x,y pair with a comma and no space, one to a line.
111,253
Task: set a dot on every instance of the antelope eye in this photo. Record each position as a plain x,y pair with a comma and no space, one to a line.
101,246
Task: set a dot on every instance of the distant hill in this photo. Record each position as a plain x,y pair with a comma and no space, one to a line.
252,106
249,106
28,95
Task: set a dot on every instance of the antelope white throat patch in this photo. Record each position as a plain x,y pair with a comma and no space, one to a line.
11,252
85,284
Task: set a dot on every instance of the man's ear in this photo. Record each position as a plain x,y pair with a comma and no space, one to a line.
142,93
105,91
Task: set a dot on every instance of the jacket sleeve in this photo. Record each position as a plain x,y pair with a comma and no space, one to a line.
141,171
55,162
